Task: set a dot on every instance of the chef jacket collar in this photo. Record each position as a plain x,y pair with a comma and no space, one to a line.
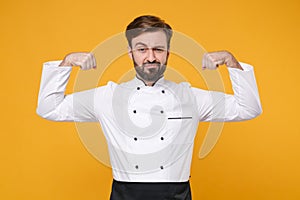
137,82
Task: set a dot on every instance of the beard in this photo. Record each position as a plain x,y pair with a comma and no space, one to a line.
150,74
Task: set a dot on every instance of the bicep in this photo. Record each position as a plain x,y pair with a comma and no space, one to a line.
78,107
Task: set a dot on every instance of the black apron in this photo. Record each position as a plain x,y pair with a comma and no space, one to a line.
150,191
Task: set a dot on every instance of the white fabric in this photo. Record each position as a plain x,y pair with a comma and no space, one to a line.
149,130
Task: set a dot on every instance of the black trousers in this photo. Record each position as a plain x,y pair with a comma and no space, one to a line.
150,191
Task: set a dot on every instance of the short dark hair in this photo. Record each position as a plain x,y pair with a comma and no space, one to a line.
147,23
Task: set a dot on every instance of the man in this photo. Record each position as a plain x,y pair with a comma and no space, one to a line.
149,122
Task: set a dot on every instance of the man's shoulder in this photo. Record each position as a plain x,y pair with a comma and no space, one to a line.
177,84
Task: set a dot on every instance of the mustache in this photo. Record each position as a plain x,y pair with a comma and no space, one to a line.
151,63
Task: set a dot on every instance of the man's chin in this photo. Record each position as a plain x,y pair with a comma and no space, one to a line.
151,66
151,71
149,77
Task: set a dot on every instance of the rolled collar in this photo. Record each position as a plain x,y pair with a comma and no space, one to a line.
139,82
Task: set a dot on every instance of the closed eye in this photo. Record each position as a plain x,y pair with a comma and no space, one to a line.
142,50
158,50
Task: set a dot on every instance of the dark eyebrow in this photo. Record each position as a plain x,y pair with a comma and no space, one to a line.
140,43
157,47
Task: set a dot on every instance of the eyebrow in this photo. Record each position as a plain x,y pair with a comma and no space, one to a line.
158,46
140,43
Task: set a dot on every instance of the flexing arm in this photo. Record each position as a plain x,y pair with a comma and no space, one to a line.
212,60
53,104
217,106
85,61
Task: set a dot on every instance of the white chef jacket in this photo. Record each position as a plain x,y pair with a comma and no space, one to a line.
149,130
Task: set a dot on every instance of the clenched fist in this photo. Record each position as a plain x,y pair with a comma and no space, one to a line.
85,61
213,59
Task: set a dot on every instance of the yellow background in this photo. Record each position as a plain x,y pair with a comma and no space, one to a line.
257,159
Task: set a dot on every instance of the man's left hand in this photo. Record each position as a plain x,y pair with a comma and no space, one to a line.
213,60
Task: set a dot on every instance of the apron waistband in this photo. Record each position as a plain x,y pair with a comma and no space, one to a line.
150,190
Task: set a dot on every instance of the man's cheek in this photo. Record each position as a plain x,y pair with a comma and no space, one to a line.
166,59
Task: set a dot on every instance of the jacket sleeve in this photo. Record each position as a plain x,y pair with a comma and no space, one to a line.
54,105
244,104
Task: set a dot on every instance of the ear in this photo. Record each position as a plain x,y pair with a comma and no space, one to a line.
129,52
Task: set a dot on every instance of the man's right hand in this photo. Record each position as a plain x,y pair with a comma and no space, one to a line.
85,61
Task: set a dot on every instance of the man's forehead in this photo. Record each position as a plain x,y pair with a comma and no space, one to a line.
150,39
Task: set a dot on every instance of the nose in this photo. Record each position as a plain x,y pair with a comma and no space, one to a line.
151,55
